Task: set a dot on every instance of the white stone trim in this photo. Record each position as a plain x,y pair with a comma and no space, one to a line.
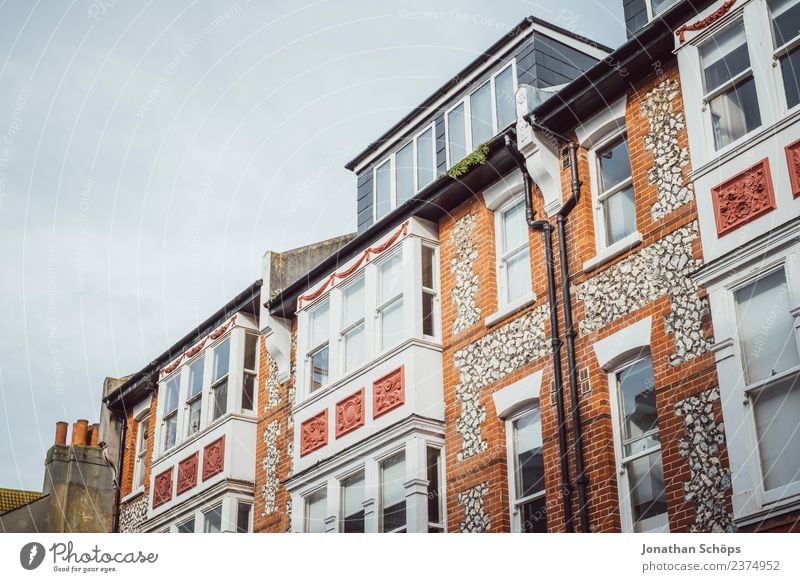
521,394
501,192
610,120
620,346
141,409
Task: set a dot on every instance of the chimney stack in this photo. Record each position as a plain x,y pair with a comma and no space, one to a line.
79,430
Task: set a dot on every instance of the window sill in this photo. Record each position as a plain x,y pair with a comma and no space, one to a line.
187,442
610,253
132,495
768,511
511,308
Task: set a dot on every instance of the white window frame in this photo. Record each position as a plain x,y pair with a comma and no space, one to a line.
503,254
381,307
362,470
252,372
166,415
215,384
191,399
381,460
430,291
315,349
237,503
516,503
142,427
205,512
789,493
778,52
604,250
440,525
391,159
651,10
306,505
345,328
469,146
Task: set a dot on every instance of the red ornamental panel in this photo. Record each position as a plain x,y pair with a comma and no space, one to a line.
388,392
793,159
314,433
187,474
162,488
214,458
744,197
350,413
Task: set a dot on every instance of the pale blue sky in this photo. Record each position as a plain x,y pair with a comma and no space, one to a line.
150,152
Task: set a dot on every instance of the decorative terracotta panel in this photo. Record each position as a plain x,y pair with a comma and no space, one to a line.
793,161
187,474
314,433
744,197
388,392
214,458
350,413
162,488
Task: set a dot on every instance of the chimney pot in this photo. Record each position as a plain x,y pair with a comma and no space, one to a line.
95,434
79,431
61,433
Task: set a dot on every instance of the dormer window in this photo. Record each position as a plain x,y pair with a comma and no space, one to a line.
404,173
481,114
659,6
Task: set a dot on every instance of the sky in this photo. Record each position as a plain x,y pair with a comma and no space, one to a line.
151,152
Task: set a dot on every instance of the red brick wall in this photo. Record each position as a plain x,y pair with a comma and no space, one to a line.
129,456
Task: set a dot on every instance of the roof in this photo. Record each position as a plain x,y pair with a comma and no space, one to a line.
13,498
459,77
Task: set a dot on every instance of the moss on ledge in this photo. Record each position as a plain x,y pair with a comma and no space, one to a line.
476,158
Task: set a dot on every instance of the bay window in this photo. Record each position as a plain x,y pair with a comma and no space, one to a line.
219,378
482,114
170,422
641,487
514,266
528,487
771,363
353,329
352,503
616,208
729,85
212,520
250,373
785,17
316,506
393,493
318,355
194,401
390,301
405,172
429,294
142,426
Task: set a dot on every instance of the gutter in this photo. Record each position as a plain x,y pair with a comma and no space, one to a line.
118,478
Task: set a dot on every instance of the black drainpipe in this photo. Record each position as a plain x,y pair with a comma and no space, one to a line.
546,229
118,480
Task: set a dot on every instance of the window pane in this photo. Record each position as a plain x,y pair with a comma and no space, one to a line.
354,347
250,351
528,447
392,324
390,277
404,173
212,520
220,399
221,360
505,103
320,320
425,161
248,390
724,56
393,498
428,267
790,68
170,431
196,376
766,328
637,398
319,368
648,497
515,232
353,302
427,313
352,508
173,388
383,189
434,492
615,164
660,6
243,517
480,103
456,134
735,113
186,526
195,410
785,20
620,215
518,275
316,507
533,516
776,409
